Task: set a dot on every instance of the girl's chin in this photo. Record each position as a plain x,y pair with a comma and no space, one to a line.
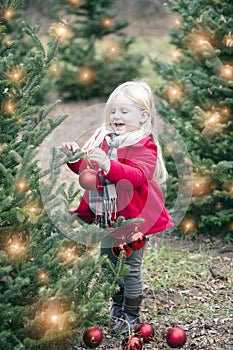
119,131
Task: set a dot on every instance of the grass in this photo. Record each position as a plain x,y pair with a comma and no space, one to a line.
183,286
165,267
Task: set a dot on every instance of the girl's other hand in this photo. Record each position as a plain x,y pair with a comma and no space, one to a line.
69,147
99,156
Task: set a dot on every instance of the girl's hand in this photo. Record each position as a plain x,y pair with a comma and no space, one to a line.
69,147
99,156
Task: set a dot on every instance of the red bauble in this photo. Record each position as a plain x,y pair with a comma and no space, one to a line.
145,331
89,179
176,337
92,337
137,241
117,249
131,343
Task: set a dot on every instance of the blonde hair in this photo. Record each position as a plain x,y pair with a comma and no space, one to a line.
142,97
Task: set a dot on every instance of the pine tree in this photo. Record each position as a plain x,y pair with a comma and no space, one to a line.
88,65
196,97
50,284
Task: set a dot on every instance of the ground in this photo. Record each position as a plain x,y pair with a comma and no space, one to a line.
188,283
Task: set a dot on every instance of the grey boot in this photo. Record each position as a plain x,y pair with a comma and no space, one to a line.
116,309
130,316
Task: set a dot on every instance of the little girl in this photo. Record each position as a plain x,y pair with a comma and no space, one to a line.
130,168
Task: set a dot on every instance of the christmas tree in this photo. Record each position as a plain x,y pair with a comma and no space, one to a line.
50,285
87,64
196,96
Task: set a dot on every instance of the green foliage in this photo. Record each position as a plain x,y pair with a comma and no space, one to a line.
50,284
84,67
196,97
20,35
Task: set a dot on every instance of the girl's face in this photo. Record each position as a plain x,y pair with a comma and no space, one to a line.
125,116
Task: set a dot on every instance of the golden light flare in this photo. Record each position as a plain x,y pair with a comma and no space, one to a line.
228,40
226,110
21,185
16,247
177,22
32,209
229,187
218,206
8,13
68,254
8,42
43,276
16,75
51,317
175,93
61,31
188,225
114,50
107,23
231,226
9,107
175,55
226,72
20,120
55,69
201,43
214,120
203,185
86,75
75,3
55,314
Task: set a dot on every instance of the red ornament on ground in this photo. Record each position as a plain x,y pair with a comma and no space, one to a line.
92,337
145,331
137,240
131,343
118,248
89,179
176,337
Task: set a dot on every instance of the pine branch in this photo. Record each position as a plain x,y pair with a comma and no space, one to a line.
32,32
7,174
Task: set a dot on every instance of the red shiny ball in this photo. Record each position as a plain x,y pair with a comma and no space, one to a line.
137,241
118,248
89,179
92,337
176,337
145,331
131,343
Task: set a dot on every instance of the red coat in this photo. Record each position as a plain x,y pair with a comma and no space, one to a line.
138,195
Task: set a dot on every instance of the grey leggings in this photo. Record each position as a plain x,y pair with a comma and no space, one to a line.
133,281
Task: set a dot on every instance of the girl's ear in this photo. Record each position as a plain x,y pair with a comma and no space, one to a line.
144,117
